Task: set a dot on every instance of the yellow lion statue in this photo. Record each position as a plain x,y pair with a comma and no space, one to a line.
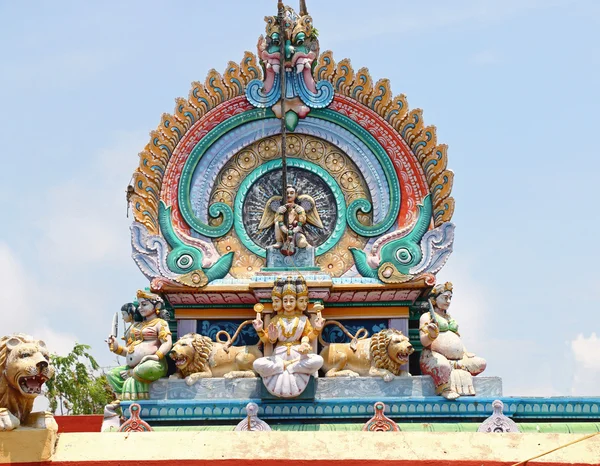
24,368
197,357
378,356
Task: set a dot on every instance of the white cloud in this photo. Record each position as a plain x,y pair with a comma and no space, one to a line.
84,218
586,378
23,301
77,269
527,366
470,303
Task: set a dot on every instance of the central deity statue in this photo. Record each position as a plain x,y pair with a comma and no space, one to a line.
289,220
287,371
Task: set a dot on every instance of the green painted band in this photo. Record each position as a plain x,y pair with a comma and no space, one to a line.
194,158
339,227
258,114
388,168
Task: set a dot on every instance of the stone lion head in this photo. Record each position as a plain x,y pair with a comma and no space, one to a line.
25,364
191,353
390,349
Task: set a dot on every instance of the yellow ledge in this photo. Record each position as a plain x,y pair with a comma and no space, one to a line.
277,448
26,445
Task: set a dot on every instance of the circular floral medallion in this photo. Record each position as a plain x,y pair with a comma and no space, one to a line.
320,153
257,206
314,149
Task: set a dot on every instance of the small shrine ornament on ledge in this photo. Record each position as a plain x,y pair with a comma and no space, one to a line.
252,422
380,422
135,423
498,422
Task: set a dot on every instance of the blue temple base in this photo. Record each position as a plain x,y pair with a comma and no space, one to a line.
324,388
411,409
408,399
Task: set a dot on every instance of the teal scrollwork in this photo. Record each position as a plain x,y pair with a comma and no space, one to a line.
364,205
184,258
217,209
402,253
339,227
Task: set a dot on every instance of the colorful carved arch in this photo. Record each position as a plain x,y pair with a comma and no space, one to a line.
395,151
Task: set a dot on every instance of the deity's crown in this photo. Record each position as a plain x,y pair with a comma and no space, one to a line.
441,288
147,294
278,287
301,287
289,288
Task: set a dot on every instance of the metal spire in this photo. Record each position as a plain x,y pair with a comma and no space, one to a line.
281,21
303,10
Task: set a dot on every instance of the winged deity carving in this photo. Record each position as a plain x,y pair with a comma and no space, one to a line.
289,220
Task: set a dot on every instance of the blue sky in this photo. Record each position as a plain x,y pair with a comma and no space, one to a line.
511,85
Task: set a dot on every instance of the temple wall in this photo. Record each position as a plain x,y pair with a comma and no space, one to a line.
301,448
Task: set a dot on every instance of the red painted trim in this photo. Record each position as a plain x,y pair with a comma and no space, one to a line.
68,424
282,462
201,128
413,183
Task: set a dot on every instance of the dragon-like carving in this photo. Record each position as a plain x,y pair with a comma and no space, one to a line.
402,255
301,48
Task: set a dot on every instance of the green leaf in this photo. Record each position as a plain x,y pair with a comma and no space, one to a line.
78,386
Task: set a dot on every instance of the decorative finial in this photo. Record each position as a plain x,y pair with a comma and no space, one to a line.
498,422
380,422
252,422
135,423
303,9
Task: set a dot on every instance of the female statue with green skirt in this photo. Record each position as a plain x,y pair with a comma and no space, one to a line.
147,343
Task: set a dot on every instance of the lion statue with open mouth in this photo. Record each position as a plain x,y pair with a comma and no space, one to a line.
382,355
24,368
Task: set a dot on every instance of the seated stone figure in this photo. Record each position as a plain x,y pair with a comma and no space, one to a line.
147,343
444,356
287,371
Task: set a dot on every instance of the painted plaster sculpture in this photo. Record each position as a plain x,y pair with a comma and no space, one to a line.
252,422
111,421
24,368
301,48
198,357
380,422
387,214
498,422
135,423
287,371
382,355
147,344
289,220
444,356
